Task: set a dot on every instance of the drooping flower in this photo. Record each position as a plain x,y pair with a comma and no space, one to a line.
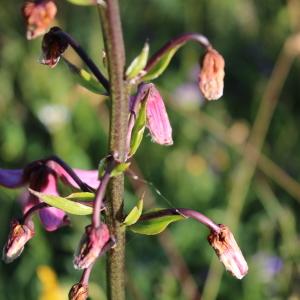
53,46
78,291
38,16
157,118
228,251
19,235
91,245
211,77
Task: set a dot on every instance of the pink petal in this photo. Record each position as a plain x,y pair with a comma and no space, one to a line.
11,178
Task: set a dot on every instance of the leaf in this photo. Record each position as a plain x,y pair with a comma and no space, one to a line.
135,213
155,225
102,166
119,169
81,196
85,79
64,204
139,63
138,129
161,64
82,2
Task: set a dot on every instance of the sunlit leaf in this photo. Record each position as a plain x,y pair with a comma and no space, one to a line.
161,64
155,225
139,63
81,196
135,213
82,2
119,169
64,204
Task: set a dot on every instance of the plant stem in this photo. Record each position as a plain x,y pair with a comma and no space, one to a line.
113,38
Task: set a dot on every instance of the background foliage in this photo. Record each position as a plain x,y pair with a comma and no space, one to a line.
208,169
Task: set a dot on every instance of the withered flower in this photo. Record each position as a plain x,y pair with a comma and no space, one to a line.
19,235
91,245
38,16
228,251
211,77
157,118
78,291
53,46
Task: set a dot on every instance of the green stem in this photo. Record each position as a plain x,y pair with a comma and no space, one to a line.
113,38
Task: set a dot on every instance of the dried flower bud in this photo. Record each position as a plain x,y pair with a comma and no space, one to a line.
91,245
38,17
157,118
228,251
211,77
78,291
53,46
19,235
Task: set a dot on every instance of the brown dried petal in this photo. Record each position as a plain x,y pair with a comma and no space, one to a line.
38,17
19,235
211,77
78,291
228,251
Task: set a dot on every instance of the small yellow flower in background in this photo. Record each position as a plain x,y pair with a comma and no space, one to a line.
50,287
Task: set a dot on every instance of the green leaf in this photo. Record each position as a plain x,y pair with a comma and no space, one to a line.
138,129
102,166
81,196
155,225
161,64
82,2
139,63
135,213
85,79
119,169
64,204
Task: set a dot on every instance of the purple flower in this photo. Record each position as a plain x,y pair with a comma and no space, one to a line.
43,176
19,235
91,246
157,118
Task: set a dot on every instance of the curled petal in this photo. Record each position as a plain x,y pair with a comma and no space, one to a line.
211,77
228,251
19,235
38,17
11,178
157,118
91,246
78,291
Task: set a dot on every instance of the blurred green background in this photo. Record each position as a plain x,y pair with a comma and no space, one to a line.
219,165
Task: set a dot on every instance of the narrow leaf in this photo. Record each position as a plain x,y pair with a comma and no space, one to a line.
82,2
119,169
85,79
155,225
139,63
138,129
64,204
81,196
161,64
135,213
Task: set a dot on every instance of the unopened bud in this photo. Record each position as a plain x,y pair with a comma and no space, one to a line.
211,77
19,235
91,245
38,17
157,118
78,291
228,251
53,46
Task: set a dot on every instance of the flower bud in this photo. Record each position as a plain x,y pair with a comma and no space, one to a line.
157,118
91,245
19,235
78,291
38,17
53,46
228,251
211,77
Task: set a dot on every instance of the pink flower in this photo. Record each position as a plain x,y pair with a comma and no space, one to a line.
157,118
228,251
38,17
